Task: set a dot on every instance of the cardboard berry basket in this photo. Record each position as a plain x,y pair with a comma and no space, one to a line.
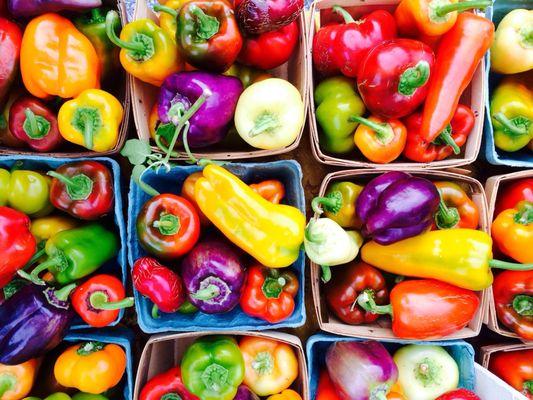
118,87
472,97
114,221
288,172
381,328
492,187
163,352
144,96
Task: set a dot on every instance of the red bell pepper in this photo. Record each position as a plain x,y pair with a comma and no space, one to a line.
17,244
98,300
459,53
271,190
31,121
271,49
459,394
269,294
10,40
166,386
325,389
339,48
6,137
347,283
515,368
84,189
513,299
513,193
160,284
418,149
393,77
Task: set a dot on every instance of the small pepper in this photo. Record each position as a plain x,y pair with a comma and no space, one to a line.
269,294
167,385
325,389
512,232
271,190
513,193
514,367
91,120
10,42
339,204
6,136
287,394
187,191
247,75
16,381
46,227
456,209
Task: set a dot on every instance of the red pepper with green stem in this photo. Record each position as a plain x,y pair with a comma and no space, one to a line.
456,209
513,193
167,385
10,41
515,368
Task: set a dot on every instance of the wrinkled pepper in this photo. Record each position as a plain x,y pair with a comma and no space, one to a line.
16,381
46,227
271,190
272,234
339,203
456,210
513,193
166,385
512,232
10,42
515,368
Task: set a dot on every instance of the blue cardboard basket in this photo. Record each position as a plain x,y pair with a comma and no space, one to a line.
524,157
288,172
111,267
317,345
120,336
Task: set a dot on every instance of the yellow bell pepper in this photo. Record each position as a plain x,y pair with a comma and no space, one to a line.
46,227
56,59
288,394
91,367
168,21
91,120
16,381
271,233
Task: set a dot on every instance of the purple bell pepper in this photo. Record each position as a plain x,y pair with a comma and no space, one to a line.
244,393
213,275
210,123
396,206
29,8
33,321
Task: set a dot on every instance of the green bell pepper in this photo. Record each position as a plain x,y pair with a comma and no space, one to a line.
336,101
88,396
212,368
76,253
55,396
511,110
339,203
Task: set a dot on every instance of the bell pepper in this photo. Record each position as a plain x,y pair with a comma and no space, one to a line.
17,244
380,140
272,233
336,101
339,203
84,189
287,394
29,8
511,51
187,192
92,24
6,136
53,396
512,232
393,77
33,321
99,299
459,53
340,48
91,120
256,17
425,308
76,253
208,36
269,294
91,367
16,381
168,13
166,385
459,394
168,226
148,52
10,42
212,368
448,142
511,111
46,227
325,389
270,114
513,299
270,49
270,366
271,190
515,368
461,257
160,284
347,283
513,193
56,59
247,75
456,209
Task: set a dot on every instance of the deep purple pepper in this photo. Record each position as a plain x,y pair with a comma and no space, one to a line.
29,8
245,393
33,321
210,124
396,206
213,275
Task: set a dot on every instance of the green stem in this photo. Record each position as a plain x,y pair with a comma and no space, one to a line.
326,273
78,187
207,26
442,10
111,21
63,293
58,260
155,312
100,301
332,203
168,224
96,16
446,217
272,287
384,131
187,308
528,386
413,78
35,126
266,122
171,396
367,302
210,292
523,305
446,137
524,215
34,258
3,122
526,32
510,266
263,363
88,130
167,10
7,383
345,14
88,348
510,126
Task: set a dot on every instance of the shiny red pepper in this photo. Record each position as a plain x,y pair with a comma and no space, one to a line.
418,149
84,189
515,368
98,300
325,389
459,394
271,190
339,48
166,386
513,193
10,40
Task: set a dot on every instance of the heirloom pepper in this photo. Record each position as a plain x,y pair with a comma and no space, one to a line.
512,232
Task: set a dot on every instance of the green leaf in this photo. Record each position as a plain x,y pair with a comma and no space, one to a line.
166,131
136,175
137,151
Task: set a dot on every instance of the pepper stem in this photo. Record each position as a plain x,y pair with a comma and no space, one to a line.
88,348
527,36
141,48
515,126
207,26
413,78
442,10
345,14
263,363
58,260
3,122
187,308
273,286
367,302
332,203
446,137
99,300
384,131
35,126
208,293
34,258
326,273
155,312
78,187
523,305
7,383
215,377
63,293
524,215
171,396
168,224
528,386
446,217
266,122
164,9
88,130
510,266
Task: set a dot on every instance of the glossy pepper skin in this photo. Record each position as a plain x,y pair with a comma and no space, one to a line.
513,299
45,227
325,389
33,321
336,101
168,226
457,210
17,244
458,55
168,13
287,394
513,193
512,232
187,191
247,75
212,368
271,190
340,48
515,368
16,381
10,42
256,17
344,289
227,202
166,383
459,394
29,8
345,215
6,136
269,294
24,190
56,59
393,77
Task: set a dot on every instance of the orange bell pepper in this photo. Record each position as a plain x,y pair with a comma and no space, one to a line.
56,59
16,381
512,232
271,190
286,395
